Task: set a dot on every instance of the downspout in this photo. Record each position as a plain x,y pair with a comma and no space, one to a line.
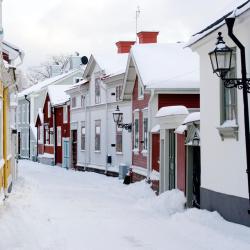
149,136
29,121
54,135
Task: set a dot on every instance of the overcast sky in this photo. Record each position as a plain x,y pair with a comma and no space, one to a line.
46,27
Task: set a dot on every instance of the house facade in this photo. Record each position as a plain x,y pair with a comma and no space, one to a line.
53,128
150,86
32,99
96,143
224,182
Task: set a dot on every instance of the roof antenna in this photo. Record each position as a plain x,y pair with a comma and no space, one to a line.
137,14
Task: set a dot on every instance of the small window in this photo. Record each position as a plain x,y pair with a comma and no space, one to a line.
59,136
97,90
97,135
118,140
73,102
49,110
136,131
83,132
118,91
65,114
145,133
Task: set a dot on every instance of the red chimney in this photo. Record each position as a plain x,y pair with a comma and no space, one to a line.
124,46
147,36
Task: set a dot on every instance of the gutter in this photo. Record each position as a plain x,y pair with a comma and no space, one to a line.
29,121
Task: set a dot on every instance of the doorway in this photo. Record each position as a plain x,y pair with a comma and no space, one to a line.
65,160
193,176
74,148
156,152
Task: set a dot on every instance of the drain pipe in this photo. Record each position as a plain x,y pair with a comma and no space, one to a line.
26,98
149,136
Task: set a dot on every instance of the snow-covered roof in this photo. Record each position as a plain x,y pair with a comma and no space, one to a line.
156,128
13,51
163,66
181,129
58,95
76,85
235,10
172,110
43,84
193,117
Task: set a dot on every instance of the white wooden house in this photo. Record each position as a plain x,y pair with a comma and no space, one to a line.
224,183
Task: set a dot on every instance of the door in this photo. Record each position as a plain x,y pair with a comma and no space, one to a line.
196,176
74,148
65,153
156,151
171,159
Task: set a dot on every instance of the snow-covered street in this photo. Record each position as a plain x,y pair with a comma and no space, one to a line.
53,208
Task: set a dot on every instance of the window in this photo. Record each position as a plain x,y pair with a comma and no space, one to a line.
59,136
65,114
73,102
145,133
97,90
82,101
47,135
136,130
51,136
140,91
40,133
118,91
229,96
97,135
118,140
83,132
49,110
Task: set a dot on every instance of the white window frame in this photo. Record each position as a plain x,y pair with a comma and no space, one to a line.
83,134
136,138
140,91
145,146
97,133
97,97
65,114
59,136
51,136
73,102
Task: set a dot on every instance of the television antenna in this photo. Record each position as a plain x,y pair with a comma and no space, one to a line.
137,14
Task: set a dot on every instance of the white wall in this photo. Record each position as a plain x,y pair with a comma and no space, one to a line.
223,163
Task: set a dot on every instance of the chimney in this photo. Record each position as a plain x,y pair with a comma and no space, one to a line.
124,46
148,36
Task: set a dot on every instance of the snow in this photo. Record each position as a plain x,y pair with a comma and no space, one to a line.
57,209
181,129
46,155
43,84
154,175
229,124
33,129
58,95
193,117
155,129
168,66
172,110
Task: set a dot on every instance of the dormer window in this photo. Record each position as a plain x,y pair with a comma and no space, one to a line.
97,91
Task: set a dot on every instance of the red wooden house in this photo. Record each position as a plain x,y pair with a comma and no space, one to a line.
158,75
53,128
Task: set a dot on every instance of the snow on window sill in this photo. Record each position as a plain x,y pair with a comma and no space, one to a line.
144,152
83,150
229,129
136,151
97,151
119,153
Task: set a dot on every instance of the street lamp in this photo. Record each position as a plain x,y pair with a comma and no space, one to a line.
118,118
221,64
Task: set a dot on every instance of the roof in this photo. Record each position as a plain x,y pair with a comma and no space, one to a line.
13,51
166,65
43,84
237,11
193,117
57,94
76,85
172,110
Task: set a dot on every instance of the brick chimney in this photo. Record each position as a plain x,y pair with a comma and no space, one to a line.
147,36
124,46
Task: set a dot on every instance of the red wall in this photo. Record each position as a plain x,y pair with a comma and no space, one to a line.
65,130
139,159
181,162
188,100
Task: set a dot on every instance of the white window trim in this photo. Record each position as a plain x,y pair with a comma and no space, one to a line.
140,96
65,114
49,109
59,132
136,117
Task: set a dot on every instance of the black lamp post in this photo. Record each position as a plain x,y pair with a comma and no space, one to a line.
221,64
118,118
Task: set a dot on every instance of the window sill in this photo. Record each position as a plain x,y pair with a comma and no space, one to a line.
144,152
141,97
83,150
228,130
97,151
119,153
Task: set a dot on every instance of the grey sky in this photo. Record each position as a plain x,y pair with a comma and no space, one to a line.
43,28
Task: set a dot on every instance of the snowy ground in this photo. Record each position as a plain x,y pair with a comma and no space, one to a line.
53,209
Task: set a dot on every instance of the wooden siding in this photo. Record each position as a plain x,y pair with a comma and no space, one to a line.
181,163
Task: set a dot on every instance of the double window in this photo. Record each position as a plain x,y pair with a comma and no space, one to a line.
98,135
97,91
